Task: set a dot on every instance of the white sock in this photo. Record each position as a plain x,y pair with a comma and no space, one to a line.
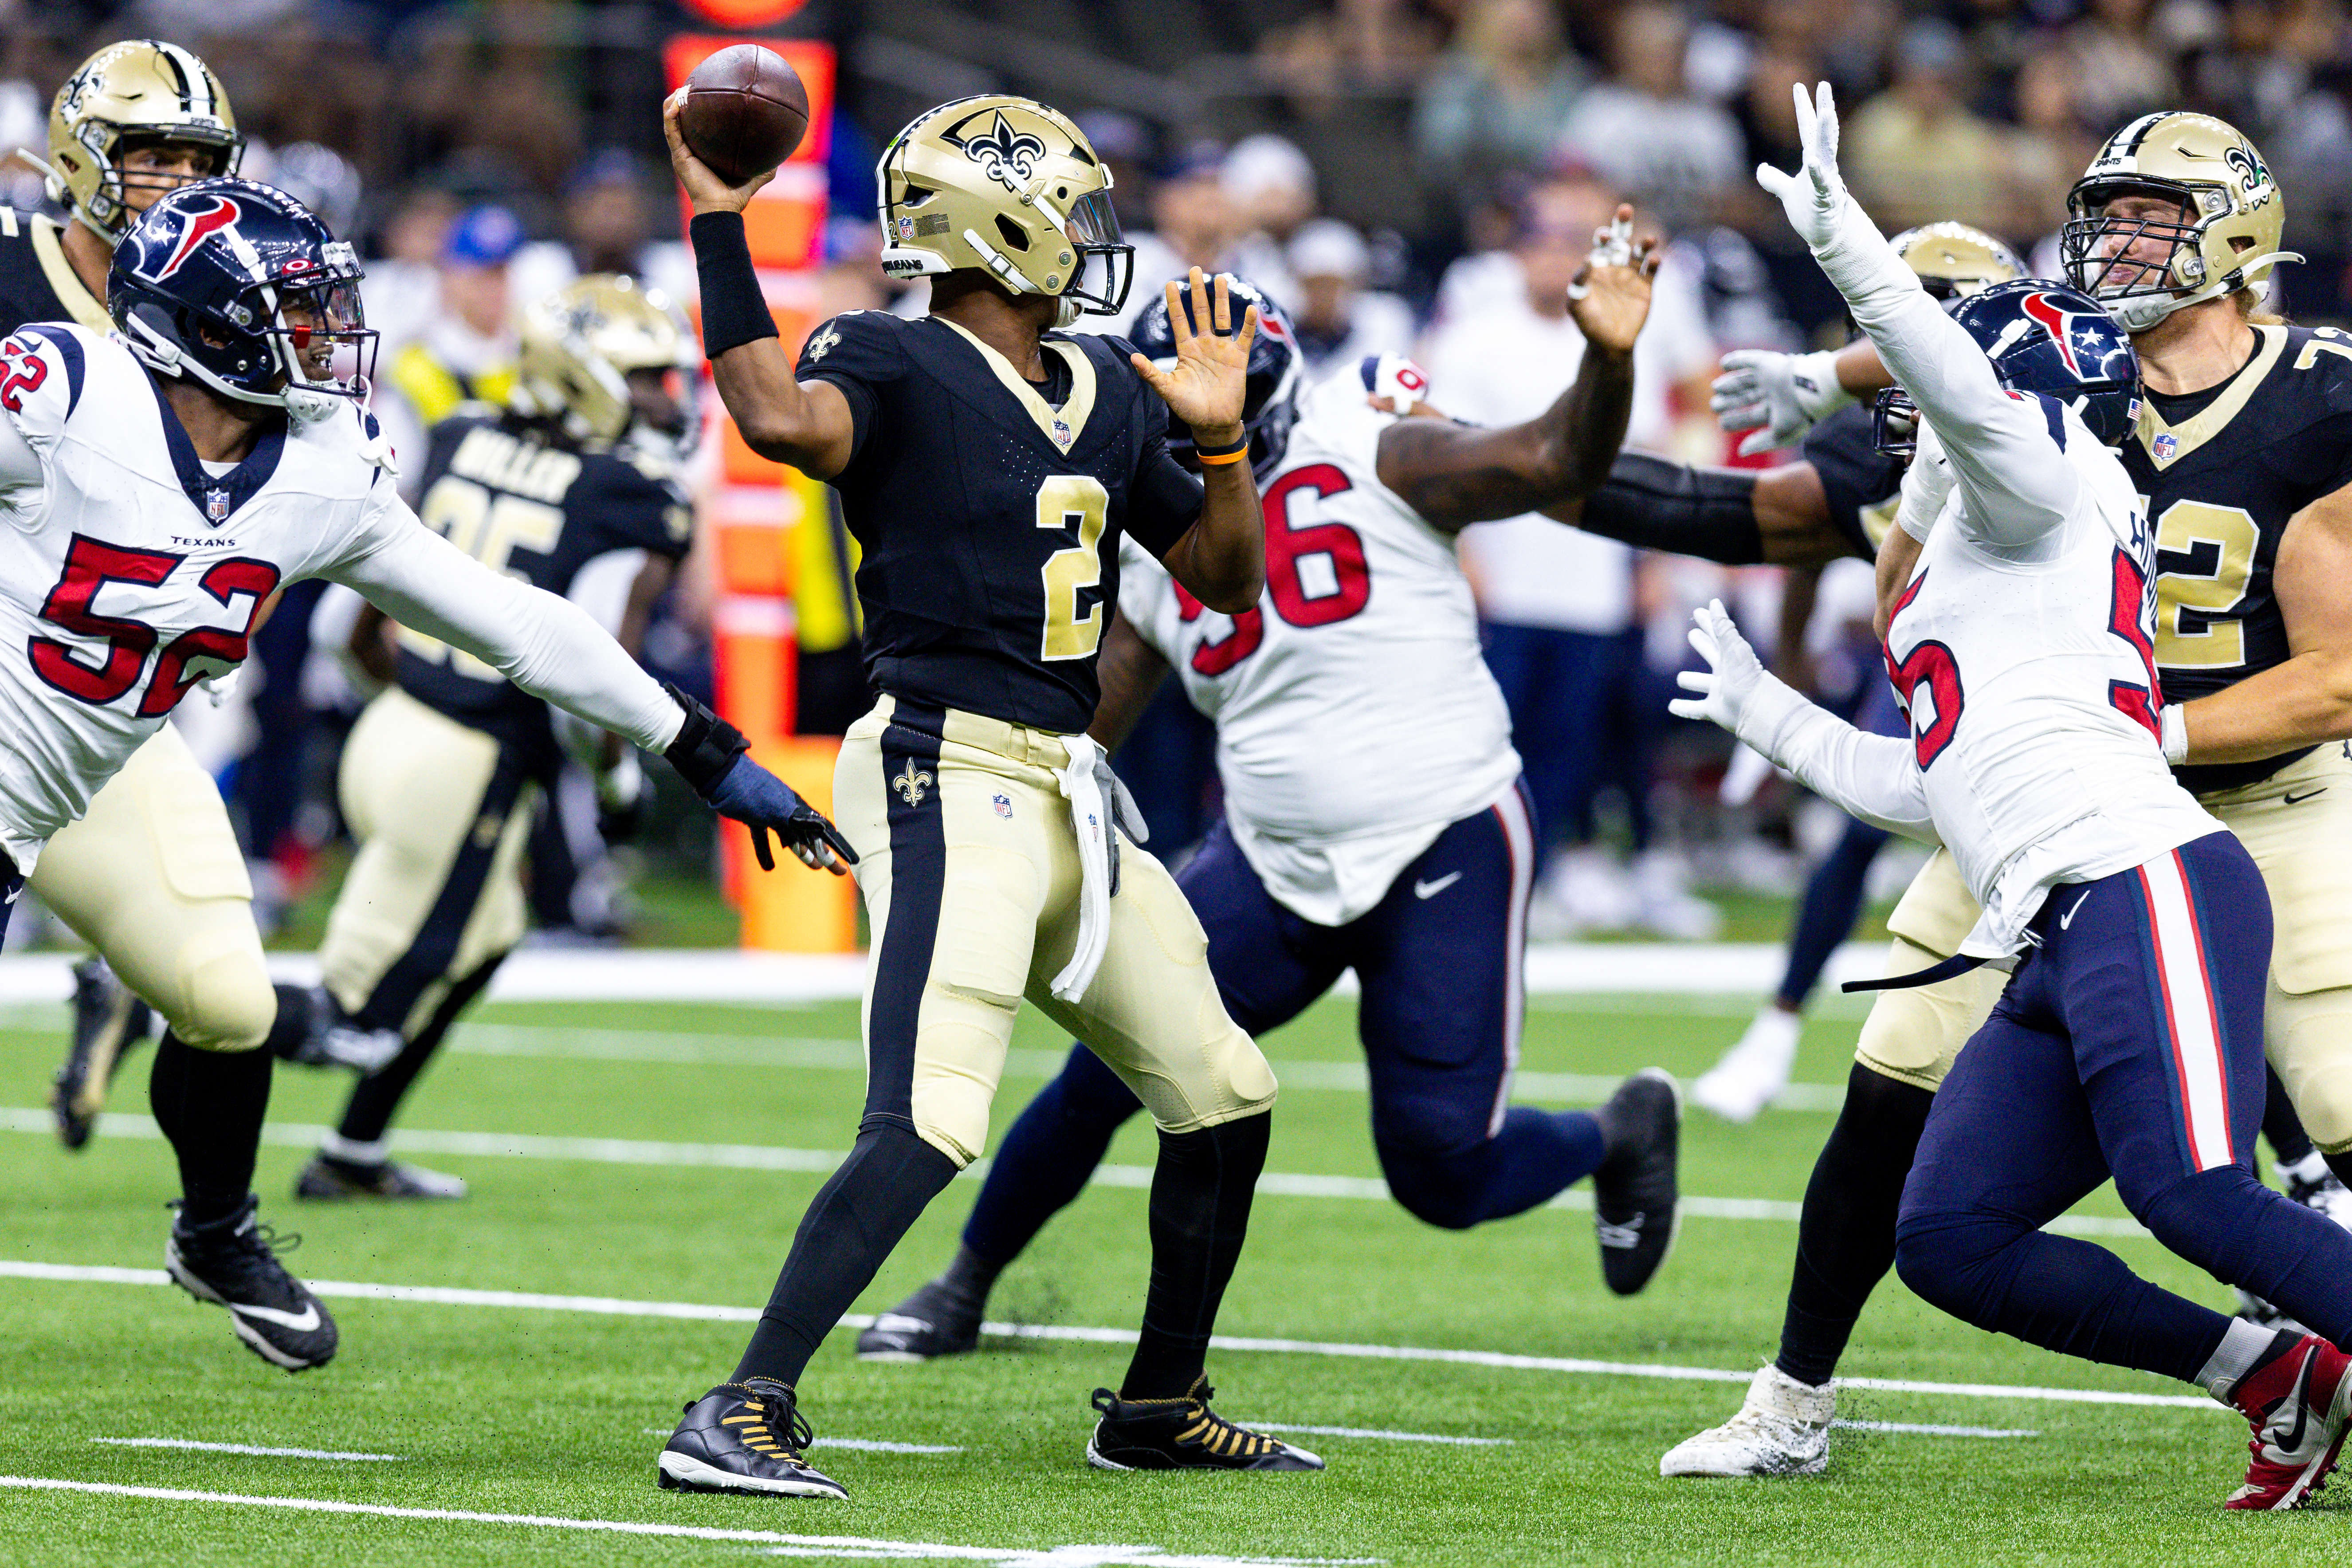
2241,1345
335,1146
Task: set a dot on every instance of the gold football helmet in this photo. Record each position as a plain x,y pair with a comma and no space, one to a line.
1009,187
2232,219
141,91
1954,259
578,346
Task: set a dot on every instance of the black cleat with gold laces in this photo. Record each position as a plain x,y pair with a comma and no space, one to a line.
1183,1435
744,1437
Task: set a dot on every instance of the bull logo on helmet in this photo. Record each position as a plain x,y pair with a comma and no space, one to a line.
1005,155
200,225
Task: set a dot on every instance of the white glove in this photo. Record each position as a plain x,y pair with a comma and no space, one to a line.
1613,246
1926,486
1814,197
1732,678
1779,396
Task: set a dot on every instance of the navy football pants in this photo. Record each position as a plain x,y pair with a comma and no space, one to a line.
1438,960
2128,1043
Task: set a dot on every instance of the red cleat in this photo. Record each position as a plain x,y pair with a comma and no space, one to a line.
2300,1405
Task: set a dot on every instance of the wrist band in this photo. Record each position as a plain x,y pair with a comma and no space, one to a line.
706,746
1232,452
1219,459
733,311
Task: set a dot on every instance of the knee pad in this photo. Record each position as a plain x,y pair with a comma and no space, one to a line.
2222,1220
1912,1034
1440,1189
1952,1262
2310,1044
226,1002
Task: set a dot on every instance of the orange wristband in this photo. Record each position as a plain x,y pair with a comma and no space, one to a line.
1221,458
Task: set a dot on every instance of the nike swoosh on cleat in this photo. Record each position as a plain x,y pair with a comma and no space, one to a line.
2299,799
1431,889
301,1322
2301,1394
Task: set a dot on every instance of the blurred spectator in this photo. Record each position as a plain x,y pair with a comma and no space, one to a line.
1339,320
1193,225
465,352
608,226
852,277
317,176
1123,143
1355,46
1498,98
1644,129
2118,72
1271,186
1563,636
24,123
403,290
1915,154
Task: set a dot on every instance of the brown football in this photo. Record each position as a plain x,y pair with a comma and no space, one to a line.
745,112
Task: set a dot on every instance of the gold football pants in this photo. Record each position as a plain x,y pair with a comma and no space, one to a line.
2297,824
969,870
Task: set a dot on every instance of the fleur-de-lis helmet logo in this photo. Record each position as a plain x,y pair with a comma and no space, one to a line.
2253,179
1005,155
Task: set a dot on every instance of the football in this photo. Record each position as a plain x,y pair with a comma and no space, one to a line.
745,112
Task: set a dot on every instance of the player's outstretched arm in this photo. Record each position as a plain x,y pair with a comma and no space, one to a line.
1129,671
1780,397
1734,517
1221,559
806,423
1455,475
2307,698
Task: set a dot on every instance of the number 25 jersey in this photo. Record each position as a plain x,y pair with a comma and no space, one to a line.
989,510
1356,718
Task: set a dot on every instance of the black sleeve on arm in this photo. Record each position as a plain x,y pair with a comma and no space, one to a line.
1652,504
1855,476
1164,502
734,312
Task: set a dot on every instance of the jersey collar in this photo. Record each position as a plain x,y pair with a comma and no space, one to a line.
1062,427
217,498
2167,443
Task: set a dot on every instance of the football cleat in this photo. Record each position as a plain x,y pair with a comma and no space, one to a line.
744,1437
109,1021
1743,1082
1782,1429
2299,1405
326,1177
1183,1435
1636,1192
932,1322
234,1264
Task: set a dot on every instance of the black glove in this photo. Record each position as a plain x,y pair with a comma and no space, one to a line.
708,754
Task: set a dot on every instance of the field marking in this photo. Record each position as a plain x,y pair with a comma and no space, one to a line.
765,1157
868,1548
1382,1434
1930,1430
238,1449
612,1305
863,1445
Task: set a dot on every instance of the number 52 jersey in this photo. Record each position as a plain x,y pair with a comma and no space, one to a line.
1356,718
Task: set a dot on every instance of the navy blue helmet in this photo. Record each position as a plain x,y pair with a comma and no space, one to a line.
1271,401
2047,337
242,288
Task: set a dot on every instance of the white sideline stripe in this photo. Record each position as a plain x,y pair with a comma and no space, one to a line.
237,1448
765,1157
612,1306
852,1546
863,1445
1383,1436
1932,1431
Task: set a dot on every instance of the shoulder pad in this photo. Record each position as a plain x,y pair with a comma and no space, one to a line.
857,340
2321,357
44,366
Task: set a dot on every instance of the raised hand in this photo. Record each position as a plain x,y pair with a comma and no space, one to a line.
1719,692
704,189
1610,297
1779,397
1209,383
1814,197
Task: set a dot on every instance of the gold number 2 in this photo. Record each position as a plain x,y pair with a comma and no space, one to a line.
2193,528
1072,501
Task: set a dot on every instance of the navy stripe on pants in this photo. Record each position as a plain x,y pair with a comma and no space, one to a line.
919,864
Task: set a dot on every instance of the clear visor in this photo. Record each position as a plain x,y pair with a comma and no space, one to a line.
324,333
1094,221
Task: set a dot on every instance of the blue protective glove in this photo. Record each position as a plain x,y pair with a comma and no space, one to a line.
762,802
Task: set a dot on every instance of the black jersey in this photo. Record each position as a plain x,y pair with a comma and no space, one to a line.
2223,472
36,282
524,501
1862,484
989,514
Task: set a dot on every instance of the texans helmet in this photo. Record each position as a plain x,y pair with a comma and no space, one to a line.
1271,400
242,288
2042,337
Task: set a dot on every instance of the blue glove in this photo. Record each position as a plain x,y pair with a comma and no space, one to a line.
761,801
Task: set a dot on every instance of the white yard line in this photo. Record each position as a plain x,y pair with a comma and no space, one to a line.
612,1305
860,1547
765,1157
1383,1436
238,1449
1930,1431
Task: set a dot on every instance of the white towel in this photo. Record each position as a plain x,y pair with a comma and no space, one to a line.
1099,808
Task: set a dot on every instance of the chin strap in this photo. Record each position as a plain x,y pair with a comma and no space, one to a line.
2139,312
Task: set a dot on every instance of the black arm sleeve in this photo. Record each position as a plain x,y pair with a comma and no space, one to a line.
1652,504
733,311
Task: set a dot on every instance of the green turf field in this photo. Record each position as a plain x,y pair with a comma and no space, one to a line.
527,1410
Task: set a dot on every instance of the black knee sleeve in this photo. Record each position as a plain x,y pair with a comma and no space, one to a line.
1652,504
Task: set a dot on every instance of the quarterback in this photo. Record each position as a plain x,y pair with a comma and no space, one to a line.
2018,614
1374,816
160,482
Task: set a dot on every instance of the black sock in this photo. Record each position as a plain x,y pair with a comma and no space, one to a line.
2342,1165
210,1105
2281,1128
1201,1194
369,1112
859,1214
292,1025
970,1278
1845,1235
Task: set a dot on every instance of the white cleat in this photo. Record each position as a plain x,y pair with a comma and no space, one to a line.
1782,1429
1751,1073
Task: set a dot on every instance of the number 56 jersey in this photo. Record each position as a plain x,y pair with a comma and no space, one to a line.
1356,718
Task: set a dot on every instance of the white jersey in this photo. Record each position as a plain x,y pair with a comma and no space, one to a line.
130,570
1356,718
2024,643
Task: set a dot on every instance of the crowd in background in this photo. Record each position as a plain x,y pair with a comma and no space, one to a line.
1405,176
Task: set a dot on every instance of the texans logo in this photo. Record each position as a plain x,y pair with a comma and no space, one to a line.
2053,318
223,215
1005,155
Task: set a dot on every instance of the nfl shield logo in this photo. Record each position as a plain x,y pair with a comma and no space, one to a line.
216,505
1003,804
1063,436
2166,445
